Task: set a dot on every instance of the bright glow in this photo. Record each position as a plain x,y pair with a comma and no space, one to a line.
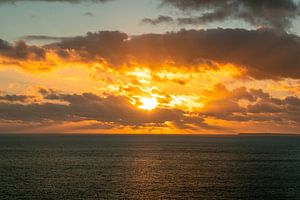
142,75
148,103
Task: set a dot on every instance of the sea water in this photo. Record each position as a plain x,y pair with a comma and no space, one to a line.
149,167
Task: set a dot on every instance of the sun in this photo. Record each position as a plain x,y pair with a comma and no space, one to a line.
148,103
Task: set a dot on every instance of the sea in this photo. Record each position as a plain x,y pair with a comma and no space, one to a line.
149,167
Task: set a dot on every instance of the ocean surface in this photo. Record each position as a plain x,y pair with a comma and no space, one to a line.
149,167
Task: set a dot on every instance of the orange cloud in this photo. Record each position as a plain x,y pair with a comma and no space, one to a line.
184,80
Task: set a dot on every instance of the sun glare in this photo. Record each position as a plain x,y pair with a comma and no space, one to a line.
148,103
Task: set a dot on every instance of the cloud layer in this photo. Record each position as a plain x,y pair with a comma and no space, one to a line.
262,54
87,106
116,110
277,14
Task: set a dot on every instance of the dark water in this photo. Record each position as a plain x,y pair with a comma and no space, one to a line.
149,167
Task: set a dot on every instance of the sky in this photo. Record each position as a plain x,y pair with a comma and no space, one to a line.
156,66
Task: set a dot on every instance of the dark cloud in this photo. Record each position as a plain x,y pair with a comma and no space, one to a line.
159,20
46,91
20,50
89,14
42,37
50,1
99,126
88,106
12,98
108,45
264,107
4,45
293,101
261,106
116,111
32,112
267,13
263,53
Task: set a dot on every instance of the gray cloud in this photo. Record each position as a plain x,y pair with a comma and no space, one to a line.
89,14
115,111
268,13
13,98
264,53
109,45
20,50
262,106
111,109
43,37
159,20
50,1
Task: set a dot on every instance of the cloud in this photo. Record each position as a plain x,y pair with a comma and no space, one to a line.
159,20
20,50
260,107
42,37
264,107
267,13
108,45
14,97
50,1
260,54
88,14
115,111
111,109
263,53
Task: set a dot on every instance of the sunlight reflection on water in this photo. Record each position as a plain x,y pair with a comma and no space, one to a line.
149,167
